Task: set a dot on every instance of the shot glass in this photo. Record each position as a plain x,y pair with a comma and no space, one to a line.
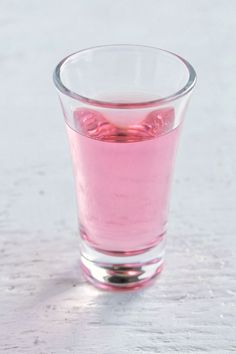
123,107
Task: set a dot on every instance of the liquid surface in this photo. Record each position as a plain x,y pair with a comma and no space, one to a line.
123,174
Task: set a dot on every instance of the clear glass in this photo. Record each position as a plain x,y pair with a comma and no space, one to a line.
123,107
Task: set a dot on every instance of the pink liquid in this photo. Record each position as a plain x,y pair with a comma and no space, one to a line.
123,176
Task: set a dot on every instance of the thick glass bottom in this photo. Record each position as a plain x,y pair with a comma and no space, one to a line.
119,271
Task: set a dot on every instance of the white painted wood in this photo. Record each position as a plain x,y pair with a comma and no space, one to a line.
46,308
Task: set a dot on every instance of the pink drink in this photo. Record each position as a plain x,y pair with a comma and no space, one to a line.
123,106
123,175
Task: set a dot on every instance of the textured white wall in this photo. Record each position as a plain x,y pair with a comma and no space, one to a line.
45,306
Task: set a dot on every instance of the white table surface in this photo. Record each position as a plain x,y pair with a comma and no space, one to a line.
45,305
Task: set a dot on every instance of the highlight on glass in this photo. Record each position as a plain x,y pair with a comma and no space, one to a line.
123,107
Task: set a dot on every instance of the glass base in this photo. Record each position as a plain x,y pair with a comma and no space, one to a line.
119,271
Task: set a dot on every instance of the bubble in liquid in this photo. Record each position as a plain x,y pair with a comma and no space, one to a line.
160,121
87,121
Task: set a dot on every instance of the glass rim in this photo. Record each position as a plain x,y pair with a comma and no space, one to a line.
189,85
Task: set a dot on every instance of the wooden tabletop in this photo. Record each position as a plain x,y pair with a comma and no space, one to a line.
45,305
